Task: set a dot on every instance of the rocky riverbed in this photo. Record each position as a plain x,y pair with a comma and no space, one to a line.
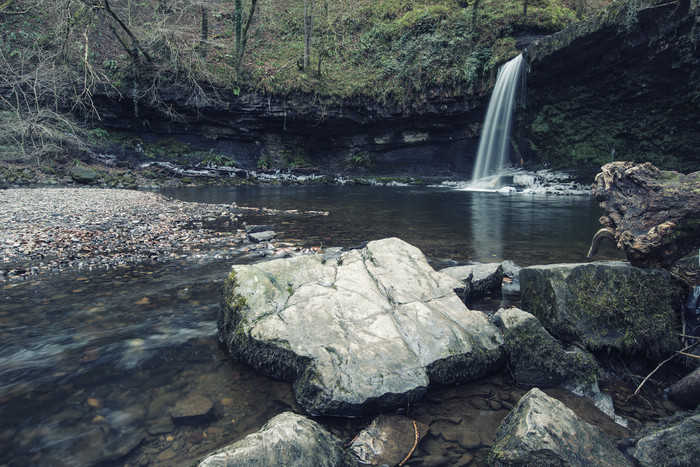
53,228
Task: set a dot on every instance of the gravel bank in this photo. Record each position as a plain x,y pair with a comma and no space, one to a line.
54,228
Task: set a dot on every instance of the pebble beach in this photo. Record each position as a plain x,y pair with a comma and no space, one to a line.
55,228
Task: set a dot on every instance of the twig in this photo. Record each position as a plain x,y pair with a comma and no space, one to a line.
688,354
415,443
659,366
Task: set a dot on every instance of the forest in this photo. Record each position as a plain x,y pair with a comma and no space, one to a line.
62,62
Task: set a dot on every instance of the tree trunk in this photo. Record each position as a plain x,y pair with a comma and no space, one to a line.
204,36
308,28
580,7
652,215
241,31
525,10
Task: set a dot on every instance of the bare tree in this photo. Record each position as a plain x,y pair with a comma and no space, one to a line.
241,31
308,28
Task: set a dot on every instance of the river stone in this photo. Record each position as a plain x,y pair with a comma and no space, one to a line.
673,442
287,439
537,358
603,305
687,391
193,409
388,440
541,431
364,331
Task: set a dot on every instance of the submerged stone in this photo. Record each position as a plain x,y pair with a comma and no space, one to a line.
363,331
193,409
603,305
541,431
388,440
537,358
287,439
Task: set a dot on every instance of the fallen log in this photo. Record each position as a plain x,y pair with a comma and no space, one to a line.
652,215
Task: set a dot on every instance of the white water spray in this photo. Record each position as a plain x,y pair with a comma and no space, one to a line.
495,137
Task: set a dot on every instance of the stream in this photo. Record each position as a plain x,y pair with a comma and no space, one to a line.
91,362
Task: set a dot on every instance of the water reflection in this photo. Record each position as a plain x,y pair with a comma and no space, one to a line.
486,226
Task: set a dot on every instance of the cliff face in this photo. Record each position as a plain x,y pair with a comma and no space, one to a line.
437,136
624,86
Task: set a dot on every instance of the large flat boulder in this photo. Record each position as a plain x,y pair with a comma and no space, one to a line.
603,305
541,431
287,439
364,331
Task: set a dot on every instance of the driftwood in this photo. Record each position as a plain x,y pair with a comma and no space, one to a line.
652,215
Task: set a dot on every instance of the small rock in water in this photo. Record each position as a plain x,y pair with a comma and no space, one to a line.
194,409
388,440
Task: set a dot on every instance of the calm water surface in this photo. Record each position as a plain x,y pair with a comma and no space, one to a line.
91,362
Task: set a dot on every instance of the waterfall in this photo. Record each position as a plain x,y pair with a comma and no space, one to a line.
495,137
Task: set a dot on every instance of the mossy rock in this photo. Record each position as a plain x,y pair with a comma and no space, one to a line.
537,358
604,305
84,175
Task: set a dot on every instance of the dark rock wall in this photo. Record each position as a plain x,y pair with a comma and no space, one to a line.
624,86
436,137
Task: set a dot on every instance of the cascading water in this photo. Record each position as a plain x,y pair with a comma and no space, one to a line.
495,137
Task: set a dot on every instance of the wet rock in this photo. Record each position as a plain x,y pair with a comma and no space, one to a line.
259,237
537,358
287,439
383,326
259,228
687,391
260,233
673,442
194,409
389,439
541,430
603,305
477,279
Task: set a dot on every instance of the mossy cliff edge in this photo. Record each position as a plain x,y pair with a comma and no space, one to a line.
622,86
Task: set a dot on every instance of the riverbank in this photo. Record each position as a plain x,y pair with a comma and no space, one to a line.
55,228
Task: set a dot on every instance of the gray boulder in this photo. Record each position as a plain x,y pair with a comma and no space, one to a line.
537,358
603,305
687,391
287,439
364,331
673,442
541,431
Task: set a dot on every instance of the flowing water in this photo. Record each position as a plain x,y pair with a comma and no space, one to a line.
91,362
494,145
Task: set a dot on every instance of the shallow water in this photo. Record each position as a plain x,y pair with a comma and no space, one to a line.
91,362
